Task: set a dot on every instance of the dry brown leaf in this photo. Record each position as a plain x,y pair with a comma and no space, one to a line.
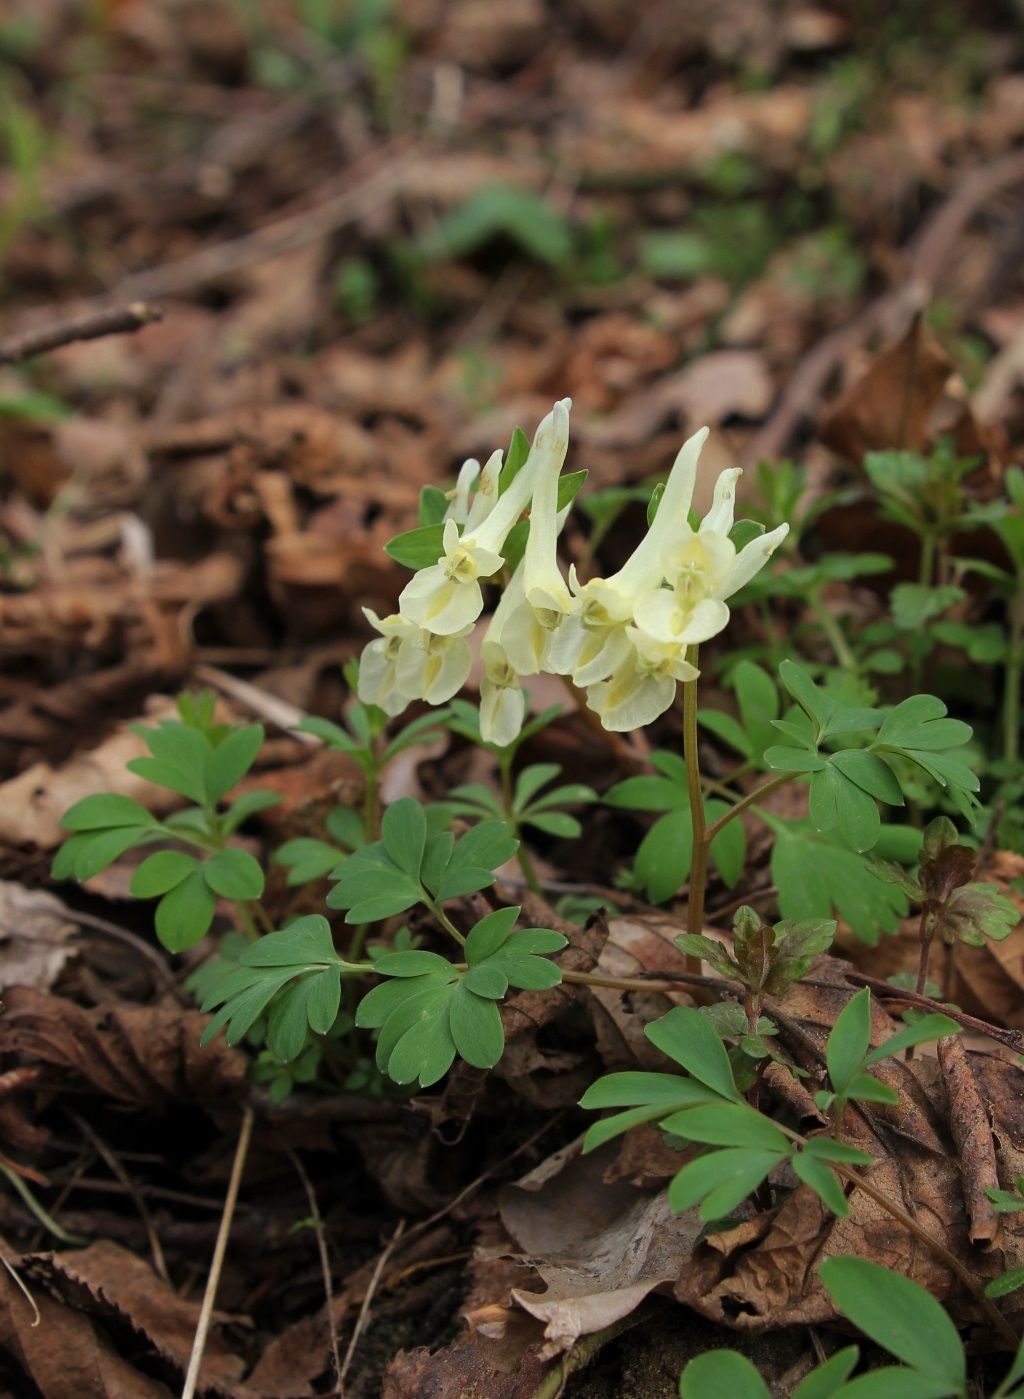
66,1353
35,937
891,405
141,1055
106,1281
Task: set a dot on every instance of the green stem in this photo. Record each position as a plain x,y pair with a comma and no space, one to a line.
508,802
446,923
751,799
699,858
1012,682
833,631
371,805
926,568
247,921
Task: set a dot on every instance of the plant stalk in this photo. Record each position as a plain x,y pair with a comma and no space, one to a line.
699,859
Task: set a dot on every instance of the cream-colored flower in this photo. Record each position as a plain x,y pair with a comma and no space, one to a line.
378,665
643,685
703,569
458,498
502,702
592,642
446,596
486,495
431,667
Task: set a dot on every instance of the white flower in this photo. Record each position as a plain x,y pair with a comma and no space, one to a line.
486,494
703,569
502,702
643,685
592,642
433,668
378,665
447,596
458,499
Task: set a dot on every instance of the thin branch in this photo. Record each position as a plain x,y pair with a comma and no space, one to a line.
115,320
219,1250
364,1310
325,1262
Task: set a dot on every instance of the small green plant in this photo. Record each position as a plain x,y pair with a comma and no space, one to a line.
423,970
894,1312
199,759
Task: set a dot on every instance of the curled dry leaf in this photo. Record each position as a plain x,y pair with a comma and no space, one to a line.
139,1055
35,937
109,1283
67,1353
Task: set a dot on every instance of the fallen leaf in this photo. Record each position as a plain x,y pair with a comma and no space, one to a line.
35,936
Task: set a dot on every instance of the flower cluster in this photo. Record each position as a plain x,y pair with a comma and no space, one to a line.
626,640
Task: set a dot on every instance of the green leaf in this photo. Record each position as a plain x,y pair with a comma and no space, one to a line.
324,1000
813,1172
720,1373
898,1315
404,832
304,940
433,505
865,1088
418,548
1005,1283
913,605
726,728
184,915
689,1038
827,1379
232,759
104,810
782,759
248,804
923,1031
287,1024
476,1028
307,859
161,872
720,1180
667,1092
98,849
234,874
920,723
975,912
648,794
519,214
849,1041
531,780
333,735
869,772
184,781
727,1124
815,874
554,823
808,696
894,1382
828,1149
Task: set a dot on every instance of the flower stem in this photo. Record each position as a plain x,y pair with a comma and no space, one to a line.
833,631
1012,681
699,858
508,801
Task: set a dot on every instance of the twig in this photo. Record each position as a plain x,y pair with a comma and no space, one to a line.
283,235
325,1262
1013,1039
20,1285
101,1148
115,320
217,1263
364,1310
276,711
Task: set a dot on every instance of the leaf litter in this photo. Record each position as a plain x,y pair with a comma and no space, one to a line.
216,491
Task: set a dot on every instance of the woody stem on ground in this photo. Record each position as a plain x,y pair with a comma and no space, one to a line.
934,1245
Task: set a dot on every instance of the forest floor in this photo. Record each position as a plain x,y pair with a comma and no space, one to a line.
340,249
